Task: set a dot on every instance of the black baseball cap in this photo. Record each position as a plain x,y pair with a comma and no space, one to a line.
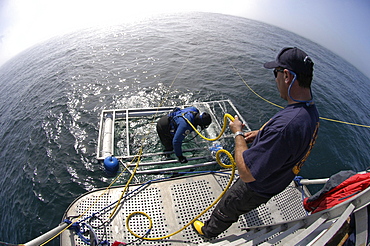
292,59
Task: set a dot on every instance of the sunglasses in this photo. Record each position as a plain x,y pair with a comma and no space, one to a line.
276,70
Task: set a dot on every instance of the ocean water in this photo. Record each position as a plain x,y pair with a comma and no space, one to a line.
52,94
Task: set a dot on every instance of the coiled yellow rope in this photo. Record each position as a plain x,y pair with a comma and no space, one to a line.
232,166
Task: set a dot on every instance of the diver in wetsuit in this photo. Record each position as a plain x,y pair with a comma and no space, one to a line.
173,128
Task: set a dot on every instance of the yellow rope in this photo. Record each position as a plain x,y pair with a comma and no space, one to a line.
128,182
343,122
276,105
232,166
219,162
222,131
86,210
141,148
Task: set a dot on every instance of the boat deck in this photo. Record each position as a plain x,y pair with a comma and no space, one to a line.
172,204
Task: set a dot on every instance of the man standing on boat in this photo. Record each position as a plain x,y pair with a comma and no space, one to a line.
174,127
278,149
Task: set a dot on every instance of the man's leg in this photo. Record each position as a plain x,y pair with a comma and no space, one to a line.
237,200
163,130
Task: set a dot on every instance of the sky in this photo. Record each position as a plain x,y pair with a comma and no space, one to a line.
342,26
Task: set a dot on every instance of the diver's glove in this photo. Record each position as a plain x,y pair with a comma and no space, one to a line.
182,159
